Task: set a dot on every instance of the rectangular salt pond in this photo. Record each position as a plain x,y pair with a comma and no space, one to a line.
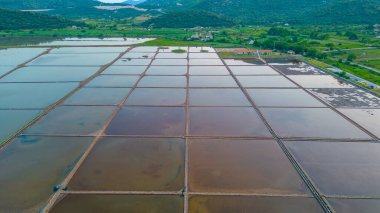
72,120
160,121
169,62
347,97
98,96
87,50
319,81
163,81
38,164
212,81
16,56
340,168
6,69
32,95
255,204
209,160
114,81
284,98
226,121
171,55
367,118
167,70
204,62
253,70
50,74
218,97
208,70
119,203
265,81
90,59
154,164
125,70
134,55
157,97
308,123
13,120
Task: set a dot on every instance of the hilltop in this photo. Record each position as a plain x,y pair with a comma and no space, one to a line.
12,20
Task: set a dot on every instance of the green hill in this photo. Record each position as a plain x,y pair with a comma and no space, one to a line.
189,19
12,20
45,4
282,11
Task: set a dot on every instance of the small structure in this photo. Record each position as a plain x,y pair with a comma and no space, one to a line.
202,37
291,52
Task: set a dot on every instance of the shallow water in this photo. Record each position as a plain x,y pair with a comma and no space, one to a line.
253,204
164,121
340,168
242,166
38,164
120,203
227,121
132,164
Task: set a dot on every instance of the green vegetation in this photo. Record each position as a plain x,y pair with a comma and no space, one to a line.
179,51
279,11
356,70
13,20
188,19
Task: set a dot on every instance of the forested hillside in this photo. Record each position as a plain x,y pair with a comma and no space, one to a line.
189,19
12,20
282,11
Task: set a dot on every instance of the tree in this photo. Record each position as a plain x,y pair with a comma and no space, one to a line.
351,57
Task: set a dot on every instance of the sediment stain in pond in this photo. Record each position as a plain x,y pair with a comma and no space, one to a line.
319,81
242,166
340,168
349,97
32,166
13,120
166,121
132,164
119,203
253,204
